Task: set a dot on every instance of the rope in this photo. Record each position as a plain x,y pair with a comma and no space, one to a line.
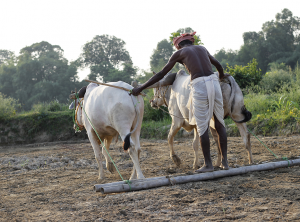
284,158
76,126
127,181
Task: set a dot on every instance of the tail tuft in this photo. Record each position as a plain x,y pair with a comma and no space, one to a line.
126,143
247,114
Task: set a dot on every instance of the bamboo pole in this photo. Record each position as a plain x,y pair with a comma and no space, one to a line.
98,187
118,87
170,180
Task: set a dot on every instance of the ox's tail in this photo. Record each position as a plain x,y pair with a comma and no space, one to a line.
126,143
246,113
234,89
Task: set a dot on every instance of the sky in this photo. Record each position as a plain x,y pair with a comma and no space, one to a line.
141,24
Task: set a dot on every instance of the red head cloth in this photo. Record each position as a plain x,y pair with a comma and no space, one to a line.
185,36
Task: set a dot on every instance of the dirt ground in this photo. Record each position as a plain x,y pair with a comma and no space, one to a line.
55,183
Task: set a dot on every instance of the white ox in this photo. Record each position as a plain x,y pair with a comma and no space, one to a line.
113,112
173,92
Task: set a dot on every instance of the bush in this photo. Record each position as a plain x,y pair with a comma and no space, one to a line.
53,106
8,106
277,78
245,75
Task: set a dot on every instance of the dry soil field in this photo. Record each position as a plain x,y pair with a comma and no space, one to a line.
55,183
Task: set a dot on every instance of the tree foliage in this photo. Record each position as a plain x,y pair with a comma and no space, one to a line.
165,49
6,56
161,55
107,59
185,30
245,75
278,41
41,74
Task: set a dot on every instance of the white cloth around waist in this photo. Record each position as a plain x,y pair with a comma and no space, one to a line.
205,99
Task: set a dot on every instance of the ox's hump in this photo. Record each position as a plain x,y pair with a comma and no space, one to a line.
182,72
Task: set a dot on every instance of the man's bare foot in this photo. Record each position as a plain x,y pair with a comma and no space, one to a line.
205,169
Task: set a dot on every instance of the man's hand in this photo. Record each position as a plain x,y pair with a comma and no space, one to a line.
135,91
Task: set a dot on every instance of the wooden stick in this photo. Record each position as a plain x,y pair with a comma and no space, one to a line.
118,87
98,187
169,180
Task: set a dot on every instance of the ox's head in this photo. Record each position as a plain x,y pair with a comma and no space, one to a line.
78,115
161,91
159,97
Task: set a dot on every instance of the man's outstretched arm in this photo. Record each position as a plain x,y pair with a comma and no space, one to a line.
159,75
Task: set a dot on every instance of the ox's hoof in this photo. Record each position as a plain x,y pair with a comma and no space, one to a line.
196,166
101,177
224,166
217,164
110,167
176,160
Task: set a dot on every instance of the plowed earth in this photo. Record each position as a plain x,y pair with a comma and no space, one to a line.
55,183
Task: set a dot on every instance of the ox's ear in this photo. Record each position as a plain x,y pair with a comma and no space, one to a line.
71,105
154,73
134,84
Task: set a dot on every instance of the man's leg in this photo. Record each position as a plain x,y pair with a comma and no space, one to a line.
205,145
222,140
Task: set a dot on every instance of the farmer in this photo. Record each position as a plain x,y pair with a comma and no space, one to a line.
207,101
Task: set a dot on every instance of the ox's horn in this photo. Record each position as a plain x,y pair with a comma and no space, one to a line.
154,73
155,85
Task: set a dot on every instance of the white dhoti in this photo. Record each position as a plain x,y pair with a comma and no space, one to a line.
205,99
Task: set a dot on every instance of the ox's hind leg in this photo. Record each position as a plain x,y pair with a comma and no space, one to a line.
135,138
95,144
215,136
134,154
196,164
246,139
109,165
173,131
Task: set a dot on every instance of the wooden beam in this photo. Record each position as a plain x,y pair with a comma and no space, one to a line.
149,183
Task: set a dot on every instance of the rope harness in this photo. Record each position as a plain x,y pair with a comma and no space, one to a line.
284,158
77,124
159,95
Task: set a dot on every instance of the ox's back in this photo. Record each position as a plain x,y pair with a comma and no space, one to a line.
110,107
180,93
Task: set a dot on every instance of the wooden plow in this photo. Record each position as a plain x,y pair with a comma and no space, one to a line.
149,183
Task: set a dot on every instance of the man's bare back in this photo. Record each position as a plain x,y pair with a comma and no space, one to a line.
195,58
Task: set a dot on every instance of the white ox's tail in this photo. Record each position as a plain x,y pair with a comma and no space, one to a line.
126,143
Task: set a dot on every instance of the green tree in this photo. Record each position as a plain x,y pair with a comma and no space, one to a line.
278,41
165,49
161,55
107,59
6,56
185,30
245,75
41,74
